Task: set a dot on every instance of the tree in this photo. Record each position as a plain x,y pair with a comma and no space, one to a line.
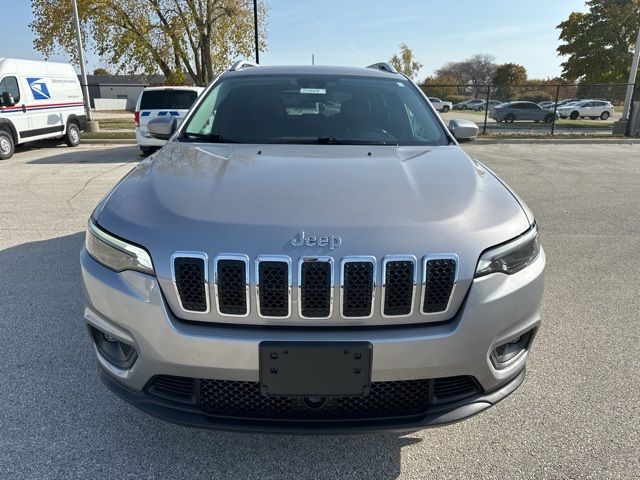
441,87
195,38
476,70
599,43
510,74
405,62
101,71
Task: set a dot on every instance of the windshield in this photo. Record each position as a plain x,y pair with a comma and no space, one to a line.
161,99
327,109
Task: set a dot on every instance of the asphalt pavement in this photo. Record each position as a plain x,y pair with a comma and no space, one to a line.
577,414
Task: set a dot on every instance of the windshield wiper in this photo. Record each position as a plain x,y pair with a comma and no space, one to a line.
340,141
209,137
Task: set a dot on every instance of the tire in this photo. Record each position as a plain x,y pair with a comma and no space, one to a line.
464,107
574,115
604,115
72,137
445,109
510,118
146,151
548,118
7,147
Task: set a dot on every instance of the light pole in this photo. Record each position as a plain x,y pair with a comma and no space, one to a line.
83,71
255,28
632,79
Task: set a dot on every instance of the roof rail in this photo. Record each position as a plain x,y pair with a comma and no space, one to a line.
240,64
384,66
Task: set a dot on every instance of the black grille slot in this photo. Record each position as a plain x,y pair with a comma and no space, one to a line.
190,283
243,399
315,289
357,293
439,279
399,283
274,288
179,389
449,389
231,280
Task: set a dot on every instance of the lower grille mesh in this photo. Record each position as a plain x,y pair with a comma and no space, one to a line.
315,289
243,399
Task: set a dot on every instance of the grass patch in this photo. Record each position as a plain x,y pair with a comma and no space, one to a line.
106,135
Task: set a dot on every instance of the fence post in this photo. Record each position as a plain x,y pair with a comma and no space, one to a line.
555,109
486,110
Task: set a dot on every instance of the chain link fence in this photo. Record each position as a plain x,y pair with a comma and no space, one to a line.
533,109
113,105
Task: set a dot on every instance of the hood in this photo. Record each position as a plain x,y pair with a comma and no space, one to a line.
254,200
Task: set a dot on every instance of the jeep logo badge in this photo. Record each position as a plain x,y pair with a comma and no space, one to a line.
331,241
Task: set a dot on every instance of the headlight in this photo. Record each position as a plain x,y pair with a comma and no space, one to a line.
115,253
511,257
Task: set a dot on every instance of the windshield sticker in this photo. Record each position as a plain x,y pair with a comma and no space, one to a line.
314,91
400,84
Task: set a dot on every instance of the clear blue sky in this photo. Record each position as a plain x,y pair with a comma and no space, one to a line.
360,32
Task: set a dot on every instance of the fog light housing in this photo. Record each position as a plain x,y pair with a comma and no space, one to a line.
120,354
508,352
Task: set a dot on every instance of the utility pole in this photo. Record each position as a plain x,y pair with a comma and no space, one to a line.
255,28
632,80
83,71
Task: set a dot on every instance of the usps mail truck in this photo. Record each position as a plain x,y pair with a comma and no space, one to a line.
39,100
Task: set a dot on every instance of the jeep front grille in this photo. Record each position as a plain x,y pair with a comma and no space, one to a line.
357,286
231,282
273,286
191,280
398,284
439,278
315,285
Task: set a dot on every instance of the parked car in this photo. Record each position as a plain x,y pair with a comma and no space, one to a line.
592,109
39,100
521,110
156,102
440,105
481,106
467,104
546,105
232,281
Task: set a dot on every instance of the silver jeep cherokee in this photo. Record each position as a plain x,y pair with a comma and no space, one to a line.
312,252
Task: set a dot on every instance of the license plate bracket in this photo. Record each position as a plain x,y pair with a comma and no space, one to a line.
315,369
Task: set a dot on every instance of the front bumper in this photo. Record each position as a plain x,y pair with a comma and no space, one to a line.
130,307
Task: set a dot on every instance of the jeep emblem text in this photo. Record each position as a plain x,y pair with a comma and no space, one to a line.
331,241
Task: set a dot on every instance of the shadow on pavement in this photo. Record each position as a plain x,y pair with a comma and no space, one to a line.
58,419
118,153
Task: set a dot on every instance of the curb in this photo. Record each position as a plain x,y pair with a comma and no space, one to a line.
557,141
94,141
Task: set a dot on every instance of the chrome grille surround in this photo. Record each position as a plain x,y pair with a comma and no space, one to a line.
304,260
357,259
398,258
205,260
273,258
237,257
425,261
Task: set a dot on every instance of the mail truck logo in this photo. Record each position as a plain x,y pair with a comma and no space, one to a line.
39,88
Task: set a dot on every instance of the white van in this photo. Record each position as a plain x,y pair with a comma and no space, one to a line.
39,100
159,102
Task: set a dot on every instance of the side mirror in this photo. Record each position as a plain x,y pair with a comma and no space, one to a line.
463,130
7,100
162,127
